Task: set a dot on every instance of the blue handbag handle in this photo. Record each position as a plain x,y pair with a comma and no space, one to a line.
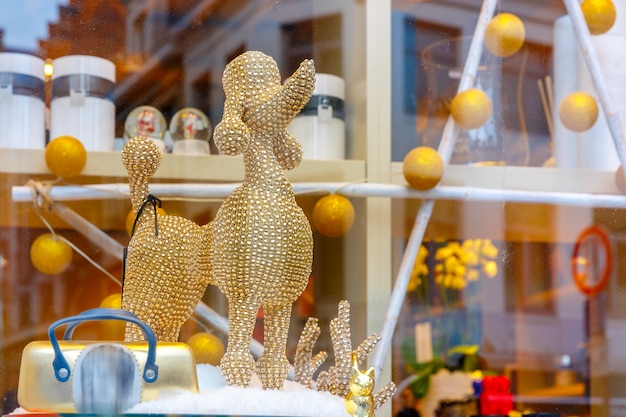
60,365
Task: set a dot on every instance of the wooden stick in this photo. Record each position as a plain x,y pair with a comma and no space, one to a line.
546,107
87,229
550,94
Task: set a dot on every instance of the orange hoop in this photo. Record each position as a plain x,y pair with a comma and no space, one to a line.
580,278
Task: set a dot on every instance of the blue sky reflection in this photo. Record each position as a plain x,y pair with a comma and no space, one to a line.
24,22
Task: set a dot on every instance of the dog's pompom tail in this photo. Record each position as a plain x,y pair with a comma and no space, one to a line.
141,157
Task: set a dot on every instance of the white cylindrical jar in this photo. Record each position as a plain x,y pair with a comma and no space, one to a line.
22,101
320,126
82,101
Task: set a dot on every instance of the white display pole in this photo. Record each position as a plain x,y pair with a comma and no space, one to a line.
446,147
217,191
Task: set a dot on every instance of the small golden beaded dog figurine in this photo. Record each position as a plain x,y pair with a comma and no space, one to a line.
166,267
360,398
261,242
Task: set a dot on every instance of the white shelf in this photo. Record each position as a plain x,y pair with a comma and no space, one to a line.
193,168
17,166
524,179
217,168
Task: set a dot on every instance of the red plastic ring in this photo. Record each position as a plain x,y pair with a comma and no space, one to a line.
580,278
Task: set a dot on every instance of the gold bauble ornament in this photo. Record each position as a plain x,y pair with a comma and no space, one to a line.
599,14
114,328
65,156
333,215
50,255
112,301
471,108
131,216
422,168
578,111
504,35
207,348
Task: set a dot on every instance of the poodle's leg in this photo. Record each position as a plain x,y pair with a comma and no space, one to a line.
237,364
170,333
133,333
273,366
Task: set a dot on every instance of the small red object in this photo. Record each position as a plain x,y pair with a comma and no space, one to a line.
495,397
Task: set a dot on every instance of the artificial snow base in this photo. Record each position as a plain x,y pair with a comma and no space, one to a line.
217,398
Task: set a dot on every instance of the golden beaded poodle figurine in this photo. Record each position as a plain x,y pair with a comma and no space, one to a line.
259,248
167,268
261,245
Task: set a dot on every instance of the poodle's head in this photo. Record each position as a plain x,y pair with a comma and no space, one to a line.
257,102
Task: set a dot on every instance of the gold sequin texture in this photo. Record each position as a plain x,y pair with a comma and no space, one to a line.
336,379
259,248
262,245
305,364
166,274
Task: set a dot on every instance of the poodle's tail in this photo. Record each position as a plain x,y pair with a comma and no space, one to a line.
141,158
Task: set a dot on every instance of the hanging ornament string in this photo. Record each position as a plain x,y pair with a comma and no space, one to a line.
40,193
155,201
42,201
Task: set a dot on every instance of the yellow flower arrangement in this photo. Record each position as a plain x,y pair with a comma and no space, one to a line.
451,310
456,264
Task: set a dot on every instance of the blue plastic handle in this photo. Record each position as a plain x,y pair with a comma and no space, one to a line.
60,365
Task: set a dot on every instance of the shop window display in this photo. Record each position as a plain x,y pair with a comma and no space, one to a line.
471,266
